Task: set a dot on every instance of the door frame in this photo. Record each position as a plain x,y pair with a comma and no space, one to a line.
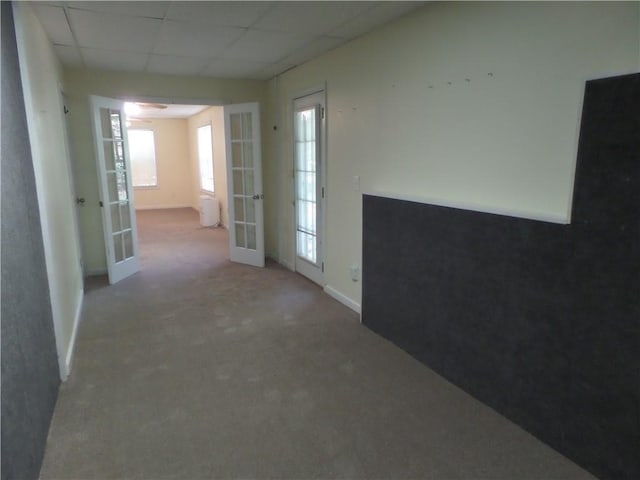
70,172
321,90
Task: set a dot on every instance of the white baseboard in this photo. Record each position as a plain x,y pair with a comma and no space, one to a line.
343,299
66,367
163,207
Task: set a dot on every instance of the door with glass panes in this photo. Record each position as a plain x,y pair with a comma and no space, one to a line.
309,165
116,199
244,183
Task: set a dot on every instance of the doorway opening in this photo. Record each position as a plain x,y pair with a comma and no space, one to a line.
178,174
168,156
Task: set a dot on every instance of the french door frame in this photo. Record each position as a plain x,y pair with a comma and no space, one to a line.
241,249
315,272
127,265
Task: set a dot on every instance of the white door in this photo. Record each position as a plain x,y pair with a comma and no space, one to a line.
309,165
244,183
116,198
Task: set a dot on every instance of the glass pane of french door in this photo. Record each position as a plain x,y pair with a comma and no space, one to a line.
117,196
242,164
306,125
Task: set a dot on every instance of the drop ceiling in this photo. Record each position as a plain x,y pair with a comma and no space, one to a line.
236,39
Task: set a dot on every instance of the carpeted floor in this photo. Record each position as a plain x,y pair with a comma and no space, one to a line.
199,368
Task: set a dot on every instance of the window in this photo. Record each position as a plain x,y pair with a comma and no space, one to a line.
205,158
143,158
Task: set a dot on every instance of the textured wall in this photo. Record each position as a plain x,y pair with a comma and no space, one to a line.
30,376
538,320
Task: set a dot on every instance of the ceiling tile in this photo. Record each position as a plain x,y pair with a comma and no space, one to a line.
69,56
315,48
177,38
149,9
114,60
228,68
266,46
236,14
382,13
54,22
133,34
173,65
310,17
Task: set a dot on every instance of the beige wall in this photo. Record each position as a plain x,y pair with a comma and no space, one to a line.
82,83
504,140
42,82
172,163
213,116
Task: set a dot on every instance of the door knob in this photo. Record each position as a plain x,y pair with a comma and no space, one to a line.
80,200
258,196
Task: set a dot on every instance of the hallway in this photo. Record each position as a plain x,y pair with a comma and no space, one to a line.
199,368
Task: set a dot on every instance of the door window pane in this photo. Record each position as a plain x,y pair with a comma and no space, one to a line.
307,246
115,217
306,179
249,187
240,240
125,216
247,127
109,155
236,154
247,154
236,126
251,210
251,237
117,247
121,178
127,240
237,182
238,205
105,123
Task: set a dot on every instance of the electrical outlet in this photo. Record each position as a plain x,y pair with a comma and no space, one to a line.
355,273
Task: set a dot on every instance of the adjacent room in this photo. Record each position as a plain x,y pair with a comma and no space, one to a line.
178,169
320,240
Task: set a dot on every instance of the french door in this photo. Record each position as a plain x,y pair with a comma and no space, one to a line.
116,199
244,183
309,165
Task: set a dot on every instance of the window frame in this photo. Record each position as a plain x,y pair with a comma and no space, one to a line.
155,159
213,176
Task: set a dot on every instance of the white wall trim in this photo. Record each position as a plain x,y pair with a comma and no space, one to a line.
164,207
343,299
66,367
561,219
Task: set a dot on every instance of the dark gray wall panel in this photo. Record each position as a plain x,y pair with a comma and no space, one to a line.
30,376
540,321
